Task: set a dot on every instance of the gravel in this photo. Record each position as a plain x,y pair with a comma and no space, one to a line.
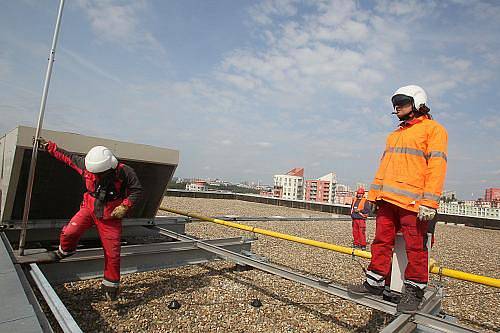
215,297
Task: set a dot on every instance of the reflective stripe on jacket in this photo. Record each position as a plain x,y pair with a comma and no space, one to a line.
413,167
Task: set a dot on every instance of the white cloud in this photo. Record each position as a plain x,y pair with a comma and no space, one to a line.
490,122
89,66
264,144
120,22
264,12
411,9
315,86
336,12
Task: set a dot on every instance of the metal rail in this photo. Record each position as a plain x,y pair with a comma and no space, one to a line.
282,218
431,304
322,285
485,280
10,225
471,221
61,313
404,322
88,263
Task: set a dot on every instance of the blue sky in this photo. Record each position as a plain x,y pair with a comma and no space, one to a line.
248,89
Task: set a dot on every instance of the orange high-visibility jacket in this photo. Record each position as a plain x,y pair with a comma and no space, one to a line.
413,167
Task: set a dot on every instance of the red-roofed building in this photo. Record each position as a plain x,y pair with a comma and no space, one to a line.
299,172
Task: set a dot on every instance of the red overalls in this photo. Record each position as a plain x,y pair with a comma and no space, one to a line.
94,211
390,220
359,212
411,173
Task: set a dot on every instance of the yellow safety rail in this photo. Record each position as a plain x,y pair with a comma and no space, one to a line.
484,280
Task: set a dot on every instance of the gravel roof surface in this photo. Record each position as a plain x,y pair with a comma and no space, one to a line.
215,297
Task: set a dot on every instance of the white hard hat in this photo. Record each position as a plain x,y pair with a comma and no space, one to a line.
415,92
100,159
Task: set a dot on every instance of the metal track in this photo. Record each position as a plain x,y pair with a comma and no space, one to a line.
281,218
62,315
59,223
403,323
88,263
325,286
135,258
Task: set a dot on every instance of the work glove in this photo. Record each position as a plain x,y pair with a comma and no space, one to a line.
426,213
119,212
42,143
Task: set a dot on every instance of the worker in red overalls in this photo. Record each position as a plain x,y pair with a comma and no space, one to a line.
112,189
360,209
406,189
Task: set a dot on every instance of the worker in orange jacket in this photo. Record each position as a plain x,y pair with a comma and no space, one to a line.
406,190
360,209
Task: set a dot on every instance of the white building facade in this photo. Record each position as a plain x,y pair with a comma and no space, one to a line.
332,179
197,186
292,186
468,209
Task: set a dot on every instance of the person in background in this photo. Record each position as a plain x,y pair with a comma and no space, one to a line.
360,210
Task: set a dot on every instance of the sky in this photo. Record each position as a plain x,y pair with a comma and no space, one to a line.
248,89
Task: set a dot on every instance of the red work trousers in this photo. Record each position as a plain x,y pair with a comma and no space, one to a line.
110,233
359,232
390,220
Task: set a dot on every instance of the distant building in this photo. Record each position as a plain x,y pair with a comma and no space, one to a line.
449,196
470,208
197,186
492,194
343,195
362,185
321,189
266,193
289,185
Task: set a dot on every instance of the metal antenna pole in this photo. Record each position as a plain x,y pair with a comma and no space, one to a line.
31,177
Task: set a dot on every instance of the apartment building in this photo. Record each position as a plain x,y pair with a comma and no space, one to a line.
492,194
321,189
290,185
469,209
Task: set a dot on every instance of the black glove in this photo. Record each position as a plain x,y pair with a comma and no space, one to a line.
373,208
42,143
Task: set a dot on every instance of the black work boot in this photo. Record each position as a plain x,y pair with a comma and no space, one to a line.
111,293
57,255
365,288
410,299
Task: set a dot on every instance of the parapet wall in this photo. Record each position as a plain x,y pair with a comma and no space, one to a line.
477,222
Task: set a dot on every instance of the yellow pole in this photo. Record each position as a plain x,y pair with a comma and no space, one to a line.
487,281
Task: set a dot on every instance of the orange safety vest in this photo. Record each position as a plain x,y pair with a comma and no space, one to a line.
413,167
361,205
